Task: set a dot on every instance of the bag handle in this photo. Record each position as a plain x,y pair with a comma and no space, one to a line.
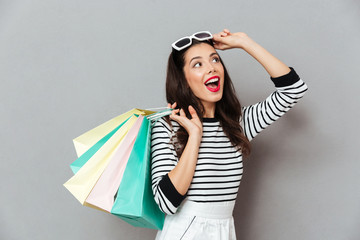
156,116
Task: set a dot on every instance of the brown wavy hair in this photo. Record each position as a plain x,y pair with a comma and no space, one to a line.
227,111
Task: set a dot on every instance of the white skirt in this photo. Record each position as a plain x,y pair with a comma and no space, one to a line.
199,221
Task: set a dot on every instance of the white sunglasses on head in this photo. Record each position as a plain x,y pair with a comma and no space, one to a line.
185,42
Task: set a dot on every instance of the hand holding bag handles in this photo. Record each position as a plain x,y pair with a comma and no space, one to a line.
118,163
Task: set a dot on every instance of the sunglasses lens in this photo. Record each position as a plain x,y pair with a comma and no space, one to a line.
182,42
202,35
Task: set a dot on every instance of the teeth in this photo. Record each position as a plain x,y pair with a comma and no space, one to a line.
212,81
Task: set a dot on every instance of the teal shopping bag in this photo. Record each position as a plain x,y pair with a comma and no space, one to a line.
134,201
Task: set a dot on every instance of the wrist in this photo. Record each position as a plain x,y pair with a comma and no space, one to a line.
248,44
195,137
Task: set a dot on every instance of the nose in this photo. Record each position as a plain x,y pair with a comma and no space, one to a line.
211,68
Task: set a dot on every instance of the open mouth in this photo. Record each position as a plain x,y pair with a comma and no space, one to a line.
213,84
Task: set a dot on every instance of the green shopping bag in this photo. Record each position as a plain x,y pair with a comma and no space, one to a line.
134,201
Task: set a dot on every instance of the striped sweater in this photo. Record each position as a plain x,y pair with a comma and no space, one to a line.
219,167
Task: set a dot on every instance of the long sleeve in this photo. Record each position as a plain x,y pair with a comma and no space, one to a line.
289,89
164,159
219,169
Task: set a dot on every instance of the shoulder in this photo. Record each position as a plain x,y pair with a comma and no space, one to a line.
165,124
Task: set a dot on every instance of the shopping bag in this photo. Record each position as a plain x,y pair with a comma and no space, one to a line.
103,194
134,201
83,142
81,184
78,163
98,146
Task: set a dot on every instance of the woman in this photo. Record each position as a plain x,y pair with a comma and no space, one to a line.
197,153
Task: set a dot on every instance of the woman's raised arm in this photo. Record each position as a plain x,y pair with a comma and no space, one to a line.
227,40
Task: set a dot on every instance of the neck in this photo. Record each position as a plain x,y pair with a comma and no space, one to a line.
209,110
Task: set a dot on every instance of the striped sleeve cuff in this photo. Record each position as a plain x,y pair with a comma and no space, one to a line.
170,191
287,79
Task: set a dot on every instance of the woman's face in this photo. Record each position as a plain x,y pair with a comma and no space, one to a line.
204,73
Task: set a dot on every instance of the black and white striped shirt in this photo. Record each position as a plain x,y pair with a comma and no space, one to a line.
219,167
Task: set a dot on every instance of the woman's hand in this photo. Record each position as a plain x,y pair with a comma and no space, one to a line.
227,40
183,173
193,126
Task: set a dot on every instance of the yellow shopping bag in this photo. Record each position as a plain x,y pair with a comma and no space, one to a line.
88,139
81,184
96,148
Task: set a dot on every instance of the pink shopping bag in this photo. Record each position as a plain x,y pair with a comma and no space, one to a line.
103,194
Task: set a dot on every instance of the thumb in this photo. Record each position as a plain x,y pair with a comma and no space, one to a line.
216,37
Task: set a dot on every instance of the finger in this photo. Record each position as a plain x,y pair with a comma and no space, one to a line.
192,112
182,113
169,105
226,30
179,120
216,46
174,113
219,46
216,35
174,105
220,36
218,40
174,117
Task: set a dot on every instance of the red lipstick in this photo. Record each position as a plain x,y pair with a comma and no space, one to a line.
213,84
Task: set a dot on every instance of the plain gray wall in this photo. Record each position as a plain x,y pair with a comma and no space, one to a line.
68,66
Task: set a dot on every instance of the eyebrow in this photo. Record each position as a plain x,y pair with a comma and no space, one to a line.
197,57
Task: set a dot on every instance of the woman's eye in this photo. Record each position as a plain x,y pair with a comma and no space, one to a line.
197,65
216,59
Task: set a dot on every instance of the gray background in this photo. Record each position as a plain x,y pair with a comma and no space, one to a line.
68,66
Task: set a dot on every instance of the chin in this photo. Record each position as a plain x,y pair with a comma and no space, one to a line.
217,99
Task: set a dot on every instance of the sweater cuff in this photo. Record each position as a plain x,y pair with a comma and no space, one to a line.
287,79
170,191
